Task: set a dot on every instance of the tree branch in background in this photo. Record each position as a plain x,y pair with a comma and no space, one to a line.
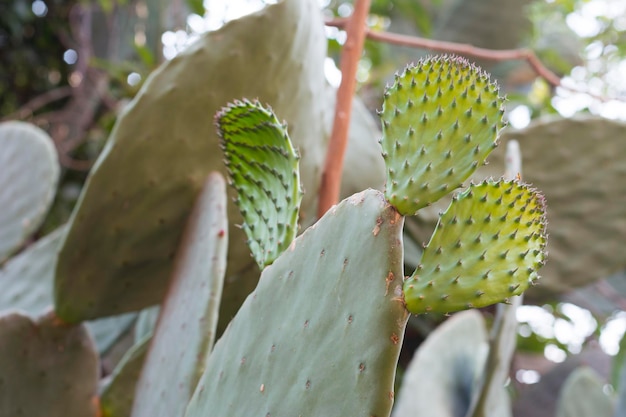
460,49
350,55
42,100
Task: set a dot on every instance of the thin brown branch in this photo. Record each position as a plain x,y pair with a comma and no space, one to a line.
350,55
524,54
38,102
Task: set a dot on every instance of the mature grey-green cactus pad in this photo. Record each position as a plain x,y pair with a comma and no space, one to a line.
26,282
583,395
487,247
47,368
263,168
444,373
440,120
189,313
321,334
29,172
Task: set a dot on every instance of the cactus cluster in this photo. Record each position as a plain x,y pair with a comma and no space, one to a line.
322,331
488,247
441,118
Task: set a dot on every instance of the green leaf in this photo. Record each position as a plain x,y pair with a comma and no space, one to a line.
196,6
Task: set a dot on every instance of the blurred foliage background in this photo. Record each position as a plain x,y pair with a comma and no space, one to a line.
70,67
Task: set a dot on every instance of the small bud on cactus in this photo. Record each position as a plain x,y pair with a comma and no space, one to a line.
440,120
263,168
487,247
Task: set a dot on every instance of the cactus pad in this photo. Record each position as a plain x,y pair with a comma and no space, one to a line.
46,368
321,333
190,310
584,394
263,168
28,179
26,282
440,119
141,190
443,375
487,247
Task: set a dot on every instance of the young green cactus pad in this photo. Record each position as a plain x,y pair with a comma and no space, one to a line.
190,310
487,247
47,368
263,168
29,172
443,375
440,120
321,333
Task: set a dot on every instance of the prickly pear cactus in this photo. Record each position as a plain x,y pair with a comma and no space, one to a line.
440,120
47,368
28,182
488,246
190,311
263,169
321,334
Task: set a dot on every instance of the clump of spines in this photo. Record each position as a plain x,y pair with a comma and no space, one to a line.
487,247
440,119
263,169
